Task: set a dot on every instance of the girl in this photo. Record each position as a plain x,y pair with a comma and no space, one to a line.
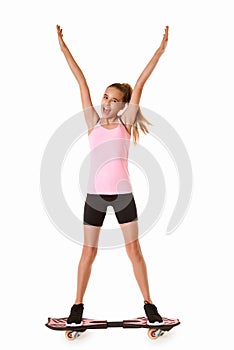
109,184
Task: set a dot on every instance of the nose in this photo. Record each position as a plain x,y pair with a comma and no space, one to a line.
107,102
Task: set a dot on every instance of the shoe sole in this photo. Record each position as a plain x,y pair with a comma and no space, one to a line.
155,323
74,324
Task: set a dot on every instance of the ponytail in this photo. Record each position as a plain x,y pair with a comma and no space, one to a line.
140,123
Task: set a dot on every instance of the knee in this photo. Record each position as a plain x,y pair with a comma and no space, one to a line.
88,254
134,251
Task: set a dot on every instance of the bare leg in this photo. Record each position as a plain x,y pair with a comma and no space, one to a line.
89,252
130,232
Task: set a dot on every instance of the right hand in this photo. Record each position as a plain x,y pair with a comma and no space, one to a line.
60,36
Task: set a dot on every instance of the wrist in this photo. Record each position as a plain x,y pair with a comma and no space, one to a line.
63,46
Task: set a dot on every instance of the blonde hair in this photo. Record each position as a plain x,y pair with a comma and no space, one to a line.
140,121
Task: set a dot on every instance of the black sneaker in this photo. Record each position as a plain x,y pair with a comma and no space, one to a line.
75,317
152,314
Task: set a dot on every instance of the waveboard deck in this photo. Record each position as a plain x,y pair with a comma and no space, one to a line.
71,333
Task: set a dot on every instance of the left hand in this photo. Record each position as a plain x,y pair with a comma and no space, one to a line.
164,42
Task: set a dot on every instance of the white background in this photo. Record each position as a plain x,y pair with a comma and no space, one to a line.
190,272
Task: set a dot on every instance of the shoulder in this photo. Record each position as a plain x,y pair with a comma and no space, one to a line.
91,117
130,114
93,125
128,127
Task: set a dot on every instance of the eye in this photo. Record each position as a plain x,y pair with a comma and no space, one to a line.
115,101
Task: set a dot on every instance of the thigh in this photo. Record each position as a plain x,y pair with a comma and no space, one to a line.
130,232
125,208
94,210
91,235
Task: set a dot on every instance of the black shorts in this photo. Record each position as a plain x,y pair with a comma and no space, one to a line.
96,205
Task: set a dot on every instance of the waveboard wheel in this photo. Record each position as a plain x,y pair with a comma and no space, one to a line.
154,333
71,335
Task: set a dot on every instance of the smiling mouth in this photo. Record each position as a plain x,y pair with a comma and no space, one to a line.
106,110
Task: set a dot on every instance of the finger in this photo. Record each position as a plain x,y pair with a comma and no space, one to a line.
60,31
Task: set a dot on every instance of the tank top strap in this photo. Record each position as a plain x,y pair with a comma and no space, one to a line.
120,121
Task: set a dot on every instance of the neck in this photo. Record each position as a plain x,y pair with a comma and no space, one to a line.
107,121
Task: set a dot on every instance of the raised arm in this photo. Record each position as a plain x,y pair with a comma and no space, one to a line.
90,113
137,90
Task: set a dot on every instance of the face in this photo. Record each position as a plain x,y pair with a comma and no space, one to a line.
112,102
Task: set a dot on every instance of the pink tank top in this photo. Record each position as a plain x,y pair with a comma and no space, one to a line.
109,160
